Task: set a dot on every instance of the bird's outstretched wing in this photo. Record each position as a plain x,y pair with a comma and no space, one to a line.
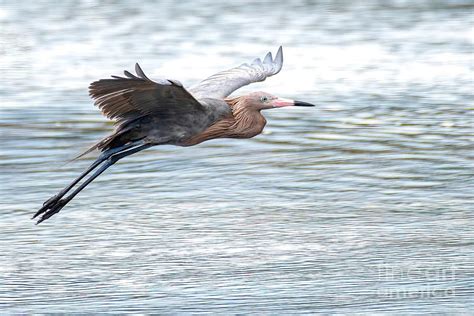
126,98
223,83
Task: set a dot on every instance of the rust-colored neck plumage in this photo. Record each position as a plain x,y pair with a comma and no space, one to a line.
249,122
246,121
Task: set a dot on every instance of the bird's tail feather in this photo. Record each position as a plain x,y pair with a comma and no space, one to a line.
113,140
88,151
97,146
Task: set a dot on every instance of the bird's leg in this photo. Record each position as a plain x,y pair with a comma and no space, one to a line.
53,209
106,154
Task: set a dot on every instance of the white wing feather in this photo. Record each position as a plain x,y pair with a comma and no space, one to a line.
222,84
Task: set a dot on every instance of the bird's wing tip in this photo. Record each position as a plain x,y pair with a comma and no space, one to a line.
129,75
140,72
256,61
268,58
279,59
138,69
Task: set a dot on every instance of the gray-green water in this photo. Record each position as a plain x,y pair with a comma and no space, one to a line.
362,205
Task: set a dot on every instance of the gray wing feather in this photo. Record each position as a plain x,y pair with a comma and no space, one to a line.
126,98
223,83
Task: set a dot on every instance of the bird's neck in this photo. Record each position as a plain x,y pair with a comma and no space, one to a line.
248,121
244,122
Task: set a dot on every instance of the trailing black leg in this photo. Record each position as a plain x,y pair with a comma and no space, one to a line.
113,158
106,154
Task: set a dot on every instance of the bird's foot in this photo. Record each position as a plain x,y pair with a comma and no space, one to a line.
49,208
47,205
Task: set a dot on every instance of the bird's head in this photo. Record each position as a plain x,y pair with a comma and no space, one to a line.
262,101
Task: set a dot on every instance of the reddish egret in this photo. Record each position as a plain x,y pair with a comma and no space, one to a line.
149,113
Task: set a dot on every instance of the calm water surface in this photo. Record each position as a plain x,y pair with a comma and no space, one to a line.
361,205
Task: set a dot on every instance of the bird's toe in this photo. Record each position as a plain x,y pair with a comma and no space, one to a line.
52,210
47,205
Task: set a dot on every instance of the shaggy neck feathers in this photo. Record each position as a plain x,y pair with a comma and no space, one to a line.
245,122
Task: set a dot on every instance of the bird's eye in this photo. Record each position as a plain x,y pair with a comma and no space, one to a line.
264,99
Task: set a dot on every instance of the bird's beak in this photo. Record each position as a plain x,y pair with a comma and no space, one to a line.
281,102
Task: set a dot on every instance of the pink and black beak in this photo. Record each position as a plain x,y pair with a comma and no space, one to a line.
282,102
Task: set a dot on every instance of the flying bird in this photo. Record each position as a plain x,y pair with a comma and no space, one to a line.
149,113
